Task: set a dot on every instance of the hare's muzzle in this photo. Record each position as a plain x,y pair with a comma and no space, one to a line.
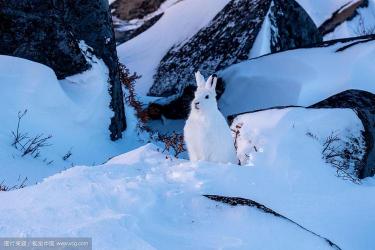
196,105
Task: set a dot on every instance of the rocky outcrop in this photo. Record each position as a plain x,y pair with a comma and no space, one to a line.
134,9
229,38
346,13
49,31
364,105
124,35
291,26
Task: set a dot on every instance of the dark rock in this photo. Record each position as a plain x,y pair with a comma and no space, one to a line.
36,30
364,105
229,38
134,9
48,32
293,27
91,21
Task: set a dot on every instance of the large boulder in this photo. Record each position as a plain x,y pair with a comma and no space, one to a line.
232,36
49,32
363,103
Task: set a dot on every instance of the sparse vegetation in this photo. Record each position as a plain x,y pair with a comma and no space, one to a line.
237,133
128,80
4,187
362,29
174,142
67,155
26,144
343,154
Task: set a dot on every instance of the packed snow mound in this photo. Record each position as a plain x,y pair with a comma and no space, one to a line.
147,200
74,111
268,132
309,76
179,23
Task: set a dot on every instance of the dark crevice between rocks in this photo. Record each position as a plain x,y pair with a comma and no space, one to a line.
178,108
363,103
232,117
237,201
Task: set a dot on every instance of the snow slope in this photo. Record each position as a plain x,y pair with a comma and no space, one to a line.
143,200
74,111
179,23
299,77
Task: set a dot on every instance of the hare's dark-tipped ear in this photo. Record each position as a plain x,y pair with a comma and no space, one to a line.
199,79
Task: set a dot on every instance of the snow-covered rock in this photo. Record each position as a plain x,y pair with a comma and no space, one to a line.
299,77
242,29
49,32
364,104
179,23
342,18
335,132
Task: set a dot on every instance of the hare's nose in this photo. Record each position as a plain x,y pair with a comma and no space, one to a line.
196,103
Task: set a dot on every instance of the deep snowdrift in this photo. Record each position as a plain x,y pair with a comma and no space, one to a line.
74,111
297,77
142,200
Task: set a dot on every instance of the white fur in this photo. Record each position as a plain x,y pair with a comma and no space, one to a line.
206,132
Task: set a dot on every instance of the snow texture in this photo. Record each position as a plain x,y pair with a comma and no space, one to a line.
75,111
309,76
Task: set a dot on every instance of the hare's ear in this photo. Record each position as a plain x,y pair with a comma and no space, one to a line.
214,82
209,83
199,79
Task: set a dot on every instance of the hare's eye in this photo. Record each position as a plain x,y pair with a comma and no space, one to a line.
207,96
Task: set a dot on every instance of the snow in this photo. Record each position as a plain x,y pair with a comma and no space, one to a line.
180,22
75,111
299,77
262,43
147,200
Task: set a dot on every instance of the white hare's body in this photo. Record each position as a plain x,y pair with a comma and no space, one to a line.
206,132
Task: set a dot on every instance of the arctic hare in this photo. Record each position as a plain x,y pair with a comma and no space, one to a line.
206,132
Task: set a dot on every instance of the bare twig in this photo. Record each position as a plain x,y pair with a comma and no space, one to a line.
174,141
